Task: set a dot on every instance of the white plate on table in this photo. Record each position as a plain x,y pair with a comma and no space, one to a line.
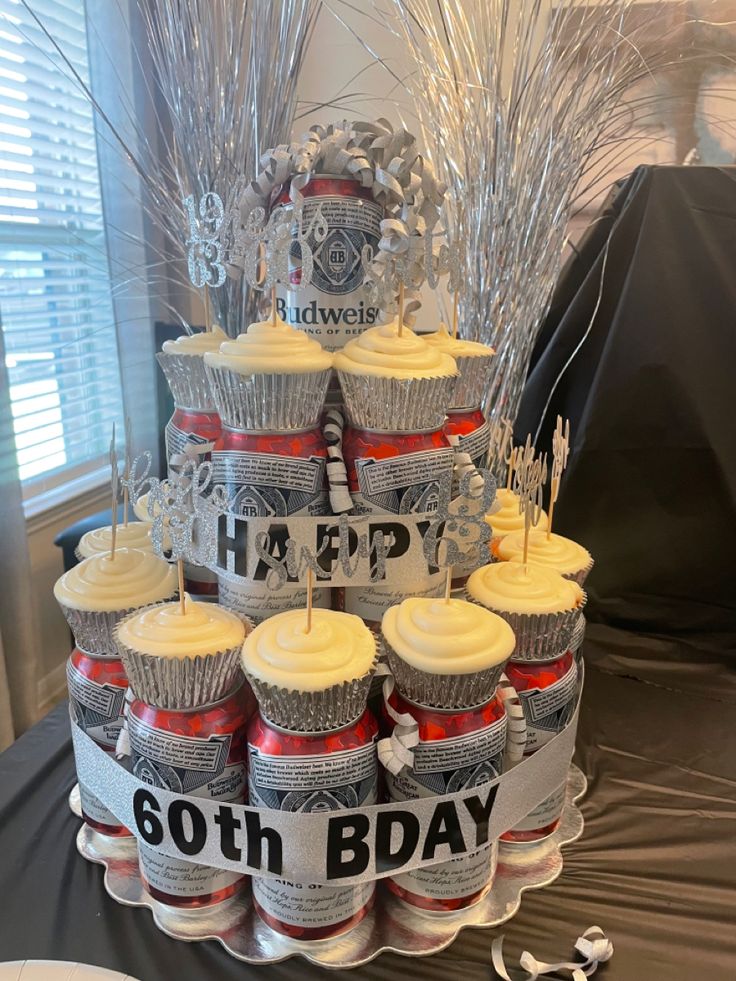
57,971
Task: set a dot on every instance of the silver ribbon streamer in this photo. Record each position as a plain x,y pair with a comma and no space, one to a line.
593,946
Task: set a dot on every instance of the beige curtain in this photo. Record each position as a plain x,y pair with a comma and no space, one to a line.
18,621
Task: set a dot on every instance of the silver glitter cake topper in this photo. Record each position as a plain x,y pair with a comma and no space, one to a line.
266,249
498,452
529,479
560,453
193,522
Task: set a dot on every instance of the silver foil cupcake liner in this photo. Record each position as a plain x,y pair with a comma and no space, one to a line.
472,384
445,691
187,379
582,574
182,682
268,403
396,404
94,631
539,636
312,711
578,634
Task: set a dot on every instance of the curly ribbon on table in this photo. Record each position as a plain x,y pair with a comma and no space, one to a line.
593,946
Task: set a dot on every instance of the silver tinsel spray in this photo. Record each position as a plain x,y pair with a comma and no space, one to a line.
515,99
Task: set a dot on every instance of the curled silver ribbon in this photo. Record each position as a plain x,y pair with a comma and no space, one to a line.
593,946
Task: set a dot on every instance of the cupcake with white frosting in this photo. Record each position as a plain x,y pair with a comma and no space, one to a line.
541,606
136,534
272,378
310,681
507,517
556,552
182,362
395,382
446,653
181,659
96,594
474,361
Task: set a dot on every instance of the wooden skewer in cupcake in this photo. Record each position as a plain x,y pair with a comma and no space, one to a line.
564,555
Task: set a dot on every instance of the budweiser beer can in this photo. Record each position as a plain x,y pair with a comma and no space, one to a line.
97,687
547,691
395,473
312,772
271,475
473,434
458,748
201,752
334,306
192,433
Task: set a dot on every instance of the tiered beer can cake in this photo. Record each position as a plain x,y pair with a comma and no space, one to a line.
396,389
545,610
195,425
93,597
269,386
447,656
311,747
187,727
334,307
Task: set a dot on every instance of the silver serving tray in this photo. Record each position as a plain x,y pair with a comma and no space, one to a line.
390,926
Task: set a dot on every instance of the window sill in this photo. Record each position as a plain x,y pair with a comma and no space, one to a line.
50,505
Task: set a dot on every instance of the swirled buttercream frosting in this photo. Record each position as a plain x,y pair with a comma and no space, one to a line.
164,631
136,535
512,587
104,583
508,519
196,344
440,637
381,351
443,340
269,348
338,648
561,554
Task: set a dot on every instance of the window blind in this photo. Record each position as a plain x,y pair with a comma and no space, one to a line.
55,292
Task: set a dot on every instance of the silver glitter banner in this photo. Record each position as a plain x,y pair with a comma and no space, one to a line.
344,847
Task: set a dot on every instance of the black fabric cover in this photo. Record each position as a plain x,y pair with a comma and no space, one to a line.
651,484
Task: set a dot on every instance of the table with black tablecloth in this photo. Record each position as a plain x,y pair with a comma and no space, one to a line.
654,868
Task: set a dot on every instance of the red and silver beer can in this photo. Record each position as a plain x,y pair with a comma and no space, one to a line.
395,473
473,434
192,433
458,748
97,686
201,752
273,474
548,692
334,306
293,771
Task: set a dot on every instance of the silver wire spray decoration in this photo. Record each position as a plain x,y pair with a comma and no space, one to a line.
515,98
